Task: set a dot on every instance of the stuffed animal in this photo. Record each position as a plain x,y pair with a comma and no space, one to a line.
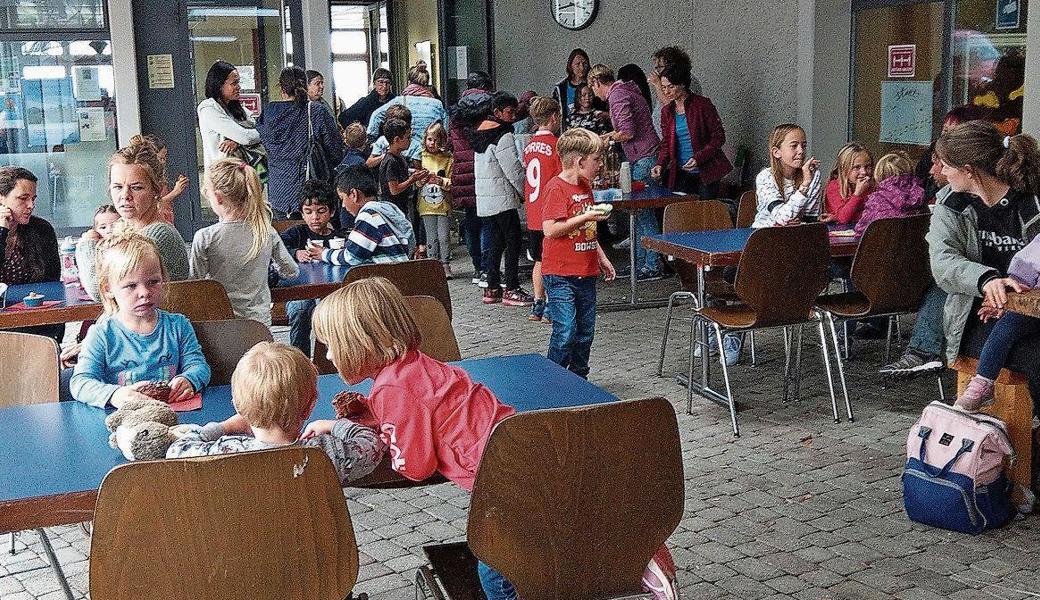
142,429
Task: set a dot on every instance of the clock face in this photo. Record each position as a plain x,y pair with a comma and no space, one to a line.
574,14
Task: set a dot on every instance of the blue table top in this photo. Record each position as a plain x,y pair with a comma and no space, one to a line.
62,448
719,241
316,273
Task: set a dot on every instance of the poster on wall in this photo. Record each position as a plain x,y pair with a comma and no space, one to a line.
906,112
1009,14
160,71
85,83
250,102
50,112
247,77
902,60
92,124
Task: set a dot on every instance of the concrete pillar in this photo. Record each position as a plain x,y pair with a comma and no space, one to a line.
1031,101
317,41
124,65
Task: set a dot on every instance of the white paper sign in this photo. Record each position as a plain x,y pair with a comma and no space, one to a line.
247,77
906,112
92,124
458,62
160,71
85,83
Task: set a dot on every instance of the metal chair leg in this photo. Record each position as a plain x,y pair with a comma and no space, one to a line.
754,357
841,368
725,377
888,341
12,543
899,331
798,364
787,364
694,335
664,337
827,368
53,559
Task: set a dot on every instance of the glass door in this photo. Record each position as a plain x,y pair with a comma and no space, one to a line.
360,45
468,42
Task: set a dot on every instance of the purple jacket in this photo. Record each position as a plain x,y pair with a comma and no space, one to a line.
629,113
1025,264
898,196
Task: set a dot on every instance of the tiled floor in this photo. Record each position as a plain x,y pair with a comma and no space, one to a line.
797,507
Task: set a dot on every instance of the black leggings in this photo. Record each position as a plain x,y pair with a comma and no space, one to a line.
505,237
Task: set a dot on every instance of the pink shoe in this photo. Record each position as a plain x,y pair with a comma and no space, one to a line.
977,395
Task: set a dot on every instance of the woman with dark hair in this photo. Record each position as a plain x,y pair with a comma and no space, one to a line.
584,114
361,111
224,122
692,132
419,97
286,128
316,89
633,73
28,246
565,92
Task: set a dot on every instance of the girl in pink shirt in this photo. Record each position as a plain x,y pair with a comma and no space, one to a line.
851,182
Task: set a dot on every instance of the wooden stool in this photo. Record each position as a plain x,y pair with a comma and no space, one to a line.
1014,406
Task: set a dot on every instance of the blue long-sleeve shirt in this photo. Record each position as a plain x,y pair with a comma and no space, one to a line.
112,356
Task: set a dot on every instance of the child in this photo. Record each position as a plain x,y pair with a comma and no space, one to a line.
542,163
135,343
572,258
238,250
435,197
105,218
381,233
395,182
433,417
499,184
789,188
396,111
167,195
274,389
851,181
355,138
305,242
899,193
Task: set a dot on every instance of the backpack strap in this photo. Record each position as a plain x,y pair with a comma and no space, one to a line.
966,446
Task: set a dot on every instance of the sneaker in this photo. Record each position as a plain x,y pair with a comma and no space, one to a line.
712,346
537,310
622,245
647,275
912,364
977,395
476,278
517,297
482,282
492,296
731,348
447,272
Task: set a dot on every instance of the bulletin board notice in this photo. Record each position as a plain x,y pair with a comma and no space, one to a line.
906,112
160,71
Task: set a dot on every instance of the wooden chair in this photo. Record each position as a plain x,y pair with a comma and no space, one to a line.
225,342
259,525
30,375
702,215
413,277
198,299
438,338
558,509
747,207
890,273
781,272
285,224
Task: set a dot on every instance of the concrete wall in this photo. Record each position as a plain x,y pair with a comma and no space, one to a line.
415,21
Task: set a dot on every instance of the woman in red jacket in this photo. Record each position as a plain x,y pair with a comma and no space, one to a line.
692,137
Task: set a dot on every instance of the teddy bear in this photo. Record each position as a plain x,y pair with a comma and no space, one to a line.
142,429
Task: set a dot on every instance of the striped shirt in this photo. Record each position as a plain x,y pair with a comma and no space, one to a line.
381,234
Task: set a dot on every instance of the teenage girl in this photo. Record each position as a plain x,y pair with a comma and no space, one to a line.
789,188
238,250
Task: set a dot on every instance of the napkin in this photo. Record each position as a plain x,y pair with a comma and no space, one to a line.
22,306
193,403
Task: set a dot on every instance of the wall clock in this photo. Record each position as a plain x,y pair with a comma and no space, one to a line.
574,14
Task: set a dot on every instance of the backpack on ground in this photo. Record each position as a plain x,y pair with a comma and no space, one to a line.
954,476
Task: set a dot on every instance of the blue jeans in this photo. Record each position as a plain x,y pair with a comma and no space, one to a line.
646,220
299,313
573,302
496,587
1007,332
928,337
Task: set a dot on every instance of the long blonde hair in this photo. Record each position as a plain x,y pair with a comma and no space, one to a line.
843,163
117,256
240,187
776,139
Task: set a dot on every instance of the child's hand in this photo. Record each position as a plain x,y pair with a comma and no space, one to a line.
69,356
90,234
236,425
690,165
7,217
316,428
989,312
180,185
180,390
994,293
420,175
827,218
303,256
810,166
609,273
655,173
129,392
862,185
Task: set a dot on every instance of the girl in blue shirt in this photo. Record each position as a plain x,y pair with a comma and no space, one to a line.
135,343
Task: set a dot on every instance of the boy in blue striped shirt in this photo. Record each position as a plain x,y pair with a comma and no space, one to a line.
381,234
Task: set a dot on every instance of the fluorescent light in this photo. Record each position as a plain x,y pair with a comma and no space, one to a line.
233,11
214,38
44,72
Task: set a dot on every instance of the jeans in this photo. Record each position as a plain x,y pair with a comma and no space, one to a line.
496,587
438,243
506,238
1008,331
1021,356
928,337
573,313
478,239
299,313
646,221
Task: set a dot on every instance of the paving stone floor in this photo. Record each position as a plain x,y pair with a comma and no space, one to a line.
796,507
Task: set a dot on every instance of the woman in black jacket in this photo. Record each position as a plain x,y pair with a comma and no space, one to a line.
361,111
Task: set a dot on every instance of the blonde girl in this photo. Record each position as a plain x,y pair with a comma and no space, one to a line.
168,194
789,188
435,195
238,249
899,193
852,179
135,343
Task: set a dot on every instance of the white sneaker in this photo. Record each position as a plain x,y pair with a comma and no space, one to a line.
622,245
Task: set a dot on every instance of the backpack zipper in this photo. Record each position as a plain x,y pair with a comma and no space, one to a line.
1003,433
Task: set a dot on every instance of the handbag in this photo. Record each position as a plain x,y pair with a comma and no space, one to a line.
318,166
255,156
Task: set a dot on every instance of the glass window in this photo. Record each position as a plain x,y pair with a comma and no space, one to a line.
58,119
52,14
353,28
349,42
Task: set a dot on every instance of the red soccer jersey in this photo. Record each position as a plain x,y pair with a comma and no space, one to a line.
542,164
575,254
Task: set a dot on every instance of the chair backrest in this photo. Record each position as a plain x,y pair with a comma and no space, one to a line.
573,503
892,267
413,277
30,372
285,224
259,525
698,215
781,272
225,342
746,209
198,299
438,338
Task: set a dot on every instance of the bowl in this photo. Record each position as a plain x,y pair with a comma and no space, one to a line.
33,300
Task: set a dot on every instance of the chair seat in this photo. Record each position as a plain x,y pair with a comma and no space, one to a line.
456,569
847,304
732,316
964,364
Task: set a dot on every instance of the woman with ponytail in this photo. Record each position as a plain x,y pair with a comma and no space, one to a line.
979,229
286,129
239,248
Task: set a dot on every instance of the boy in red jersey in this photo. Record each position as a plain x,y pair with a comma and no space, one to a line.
572,258
542,163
